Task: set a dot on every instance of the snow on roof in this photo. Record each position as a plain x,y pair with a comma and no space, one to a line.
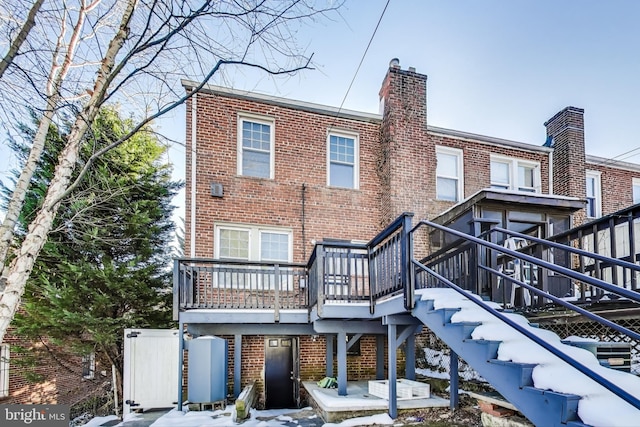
597,407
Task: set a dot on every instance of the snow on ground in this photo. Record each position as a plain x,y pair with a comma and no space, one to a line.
98,421
279,417
380,419
598,406
439,363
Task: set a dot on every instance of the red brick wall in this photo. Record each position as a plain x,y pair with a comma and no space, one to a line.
476,164
616,185
52,379
312,358
407,158
567,130
300,160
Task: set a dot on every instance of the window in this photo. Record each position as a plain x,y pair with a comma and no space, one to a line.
342,160
88,365
449,174
4,370
253,243
515,174
636,190
255,147
594,195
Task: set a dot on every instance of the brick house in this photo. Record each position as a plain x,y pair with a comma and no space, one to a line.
43,373
268,178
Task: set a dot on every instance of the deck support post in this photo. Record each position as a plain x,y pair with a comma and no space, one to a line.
453,382
410,358
342,363
379,357
329,368
237,365
393,375
180,361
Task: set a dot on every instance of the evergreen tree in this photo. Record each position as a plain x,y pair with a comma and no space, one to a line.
107,262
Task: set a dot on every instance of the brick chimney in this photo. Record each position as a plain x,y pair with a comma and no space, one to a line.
566,130
406,165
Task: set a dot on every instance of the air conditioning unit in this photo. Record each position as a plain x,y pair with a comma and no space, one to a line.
614,355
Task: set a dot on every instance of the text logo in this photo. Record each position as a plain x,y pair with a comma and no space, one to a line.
34,415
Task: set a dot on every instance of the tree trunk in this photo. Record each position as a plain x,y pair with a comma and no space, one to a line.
56,77
21,266
21,37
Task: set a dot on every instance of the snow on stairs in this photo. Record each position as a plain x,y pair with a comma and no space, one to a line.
513,380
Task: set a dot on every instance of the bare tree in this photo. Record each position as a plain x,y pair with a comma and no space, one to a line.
135,51
20,37
63,57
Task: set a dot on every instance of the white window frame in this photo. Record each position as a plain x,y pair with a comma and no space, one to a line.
5,358
596,176
265,120
458,153
89,362
255,233
255,242
356,157
635,183
513,165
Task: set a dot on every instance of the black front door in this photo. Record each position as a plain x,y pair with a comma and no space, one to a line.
278,373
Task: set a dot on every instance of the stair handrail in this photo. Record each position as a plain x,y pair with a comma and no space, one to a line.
618,391
567,304
577,251
623,394
632,295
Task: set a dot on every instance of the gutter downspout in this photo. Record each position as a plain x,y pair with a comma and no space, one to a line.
551,172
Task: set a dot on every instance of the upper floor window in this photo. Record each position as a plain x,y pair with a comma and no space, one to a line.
636,190
253,243
255,146
449,174
515,174
342,160
594,195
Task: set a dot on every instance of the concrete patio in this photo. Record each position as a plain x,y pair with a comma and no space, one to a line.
359,402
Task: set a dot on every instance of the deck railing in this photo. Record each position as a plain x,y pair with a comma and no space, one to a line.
389,260
338,271
225,284
614,236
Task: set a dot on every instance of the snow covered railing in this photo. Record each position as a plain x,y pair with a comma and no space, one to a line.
490,307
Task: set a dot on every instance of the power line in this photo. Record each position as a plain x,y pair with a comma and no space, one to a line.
360,64
618,158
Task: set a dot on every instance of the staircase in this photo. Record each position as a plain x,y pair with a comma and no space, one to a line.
551,383
543,397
